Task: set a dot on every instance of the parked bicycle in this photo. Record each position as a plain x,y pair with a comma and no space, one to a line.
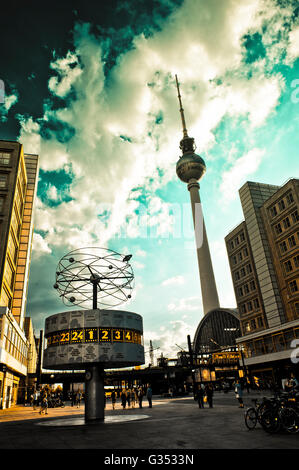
280,412
254,413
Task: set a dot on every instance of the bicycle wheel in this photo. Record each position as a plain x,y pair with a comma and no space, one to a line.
250,418
289,420
270,421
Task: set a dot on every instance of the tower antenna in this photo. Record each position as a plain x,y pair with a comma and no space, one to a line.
181,109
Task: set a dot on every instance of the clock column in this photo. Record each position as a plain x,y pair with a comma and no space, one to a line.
94,393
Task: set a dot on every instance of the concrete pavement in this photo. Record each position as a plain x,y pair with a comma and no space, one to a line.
175,423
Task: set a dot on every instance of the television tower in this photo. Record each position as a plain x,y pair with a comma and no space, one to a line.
190,168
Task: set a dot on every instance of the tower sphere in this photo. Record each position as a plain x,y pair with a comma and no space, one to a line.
190,166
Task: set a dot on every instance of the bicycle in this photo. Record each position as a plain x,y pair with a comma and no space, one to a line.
254,413
284,415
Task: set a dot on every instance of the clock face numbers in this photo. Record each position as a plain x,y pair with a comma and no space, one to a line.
94,335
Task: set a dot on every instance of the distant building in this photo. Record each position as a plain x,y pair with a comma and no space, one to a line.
263,253
18,184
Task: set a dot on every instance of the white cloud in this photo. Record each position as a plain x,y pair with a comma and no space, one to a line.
189,304
117,145
39,245
293,49
168,340
174,281
233,179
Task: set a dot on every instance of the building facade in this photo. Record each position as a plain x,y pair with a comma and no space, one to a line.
263,254
18,185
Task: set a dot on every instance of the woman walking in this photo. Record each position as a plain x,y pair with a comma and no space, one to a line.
239,393
113,399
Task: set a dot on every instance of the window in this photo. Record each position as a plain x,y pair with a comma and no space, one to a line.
243,308
281,205
288,266
249,268
278,229
292,241
3,180
293,286
1,203
273,211
296,261
289,198
246,289
240,256
237,240
295,216
297,308
242,272
256,303
237,276
242,236
260,322
234,259
240,291
231,245
286,223
249,306
4,158
245,251
283,247
252,285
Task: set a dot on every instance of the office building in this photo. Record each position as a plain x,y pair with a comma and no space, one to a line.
18,185
263,253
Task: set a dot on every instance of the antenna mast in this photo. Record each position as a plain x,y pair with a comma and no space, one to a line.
181,109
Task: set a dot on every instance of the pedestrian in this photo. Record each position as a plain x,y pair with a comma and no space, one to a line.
129,398
35,400
140,396
123,398
149,395
78,398
44,405
113,399
239,393
209,393
200,395
133,397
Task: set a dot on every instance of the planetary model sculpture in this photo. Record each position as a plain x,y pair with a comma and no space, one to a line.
94,339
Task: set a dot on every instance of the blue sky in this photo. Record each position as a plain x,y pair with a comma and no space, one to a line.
97,101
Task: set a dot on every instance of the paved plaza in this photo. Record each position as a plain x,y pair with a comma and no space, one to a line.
175,423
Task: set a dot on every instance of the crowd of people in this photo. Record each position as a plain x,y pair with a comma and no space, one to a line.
130,397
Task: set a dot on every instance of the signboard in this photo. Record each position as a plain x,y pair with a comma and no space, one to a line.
228,356
93,335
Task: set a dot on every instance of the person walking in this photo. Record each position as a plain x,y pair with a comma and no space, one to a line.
140,396
133,397
200,396
239,393
129,398
123,398
44,405
113,399
149,395
209,393
35,400
78,398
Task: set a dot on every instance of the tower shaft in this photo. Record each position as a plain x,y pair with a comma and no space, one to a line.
209,292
